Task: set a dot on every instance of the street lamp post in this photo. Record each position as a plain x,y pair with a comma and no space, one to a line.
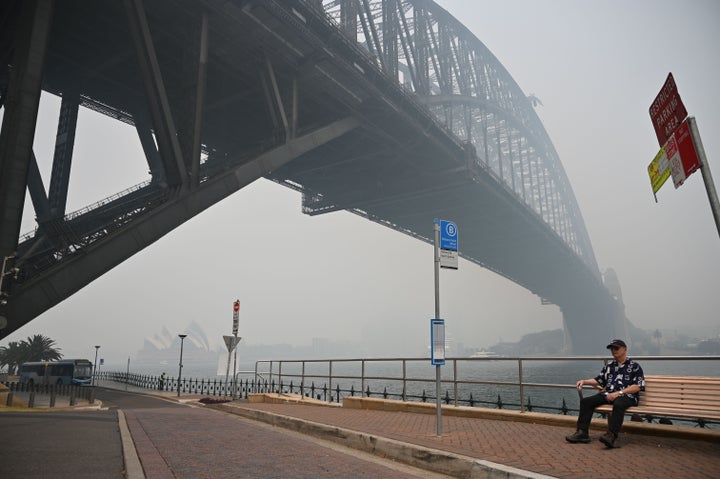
95,367
182,339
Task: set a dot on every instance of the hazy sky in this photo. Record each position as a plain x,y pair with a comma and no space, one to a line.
596,66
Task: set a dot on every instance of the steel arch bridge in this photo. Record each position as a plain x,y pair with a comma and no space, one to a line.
432,55
390,109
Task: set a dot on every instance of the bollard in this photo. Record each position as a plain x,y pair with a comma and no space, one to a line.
31,401
53,394
92,396
11,393
72,397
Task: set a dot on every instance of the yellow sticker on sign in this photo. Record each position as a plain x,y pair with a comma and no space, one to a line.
659,170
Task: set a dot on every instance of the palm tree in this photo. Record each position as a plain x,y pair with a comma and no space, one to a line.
13,355
41,348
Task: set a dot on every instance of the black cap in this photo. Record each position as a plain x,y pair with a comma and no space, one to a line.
617,342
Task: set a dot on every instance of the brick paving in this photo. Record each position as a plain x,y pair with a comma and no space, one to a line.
194,442
532,447
178,443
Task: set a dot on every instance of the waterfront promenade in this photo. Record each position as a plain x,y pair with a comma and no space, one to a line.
490,446
180,441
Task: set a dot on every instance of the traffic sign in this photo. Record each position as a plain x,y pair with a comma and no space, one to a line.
659,170
448,235
236,316
681,154
667,110
231,342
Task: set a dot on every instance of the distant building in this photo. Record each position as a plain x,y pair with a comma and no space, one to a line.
162,349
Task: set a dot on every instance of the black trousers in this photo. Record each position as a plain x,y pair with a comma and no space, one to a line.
615,420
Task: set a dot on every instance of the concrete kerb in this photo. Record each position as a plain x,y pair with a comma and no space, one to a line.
441,462
133,468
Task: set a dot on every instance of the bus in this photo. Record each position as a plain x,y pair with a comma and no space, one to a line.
64,371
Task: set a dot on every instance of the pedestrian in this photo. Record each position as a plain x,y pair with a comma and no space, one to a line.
620,382
161,383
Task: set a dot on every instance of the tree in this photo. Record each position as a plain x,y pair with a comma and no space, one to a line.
12,356
41,348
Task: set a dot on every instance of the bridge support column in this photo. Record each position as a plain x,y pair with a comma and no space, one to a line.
591,325
21,108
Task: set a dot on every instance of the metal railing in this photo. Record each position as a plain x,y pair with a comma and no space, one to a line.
520,383
518,379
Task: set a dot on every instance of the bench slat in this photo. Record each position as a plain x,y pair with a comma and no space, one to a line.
670,412
690,397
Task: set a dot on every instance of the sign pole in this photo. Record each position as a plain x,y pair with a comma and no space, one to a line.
231,342
236,318
227,372
436,229
234,392
705,170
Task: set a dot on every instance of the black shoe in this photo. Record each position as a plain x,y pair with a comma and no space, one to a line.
579,436
608,439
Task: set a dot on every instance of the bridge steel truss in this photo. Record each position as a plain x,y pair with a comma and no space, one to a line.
434,56
389,109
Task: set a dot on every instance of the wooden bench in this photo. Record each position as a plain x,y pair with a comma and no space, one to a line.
696,398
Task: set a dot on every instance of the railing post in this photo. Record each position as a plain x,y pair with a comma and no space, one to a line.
362,375
455,389
522,389
330,377
404,388
302,380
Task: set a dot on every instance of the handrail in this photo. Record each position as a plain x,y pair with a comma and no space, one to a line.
404,379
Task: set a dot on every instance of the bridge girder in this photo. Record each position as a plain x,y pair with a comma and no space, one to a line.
444,130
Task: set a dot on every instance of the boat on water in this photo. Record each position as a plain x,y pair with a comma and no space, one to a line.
484,354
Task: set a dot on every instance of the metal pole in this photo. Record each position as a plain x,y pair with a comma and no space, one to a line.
227,374
182,339
95,367
705,170
127,374
234,392
438,403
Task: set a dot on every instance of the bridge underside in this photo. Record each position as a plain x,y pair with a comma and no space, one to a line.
223,93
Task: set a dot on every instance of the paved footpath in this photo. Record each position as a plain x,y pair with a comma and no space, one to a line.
301,441
202,443
532,447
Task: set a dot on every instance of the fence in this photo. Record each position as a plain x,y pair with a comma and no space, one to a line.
48,391
204,386
520,383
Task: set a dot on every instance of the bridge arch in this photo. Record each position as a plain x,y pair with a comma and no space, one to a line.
390,109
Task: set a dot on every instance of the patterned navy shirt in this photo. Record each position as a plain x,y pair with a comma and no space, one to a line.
613,377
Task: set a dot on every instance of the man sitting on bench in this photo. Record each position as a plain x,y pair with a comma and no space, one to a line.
620,381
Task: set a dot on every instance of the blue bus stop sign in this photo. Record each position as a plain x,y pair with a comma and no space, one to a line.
448,235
